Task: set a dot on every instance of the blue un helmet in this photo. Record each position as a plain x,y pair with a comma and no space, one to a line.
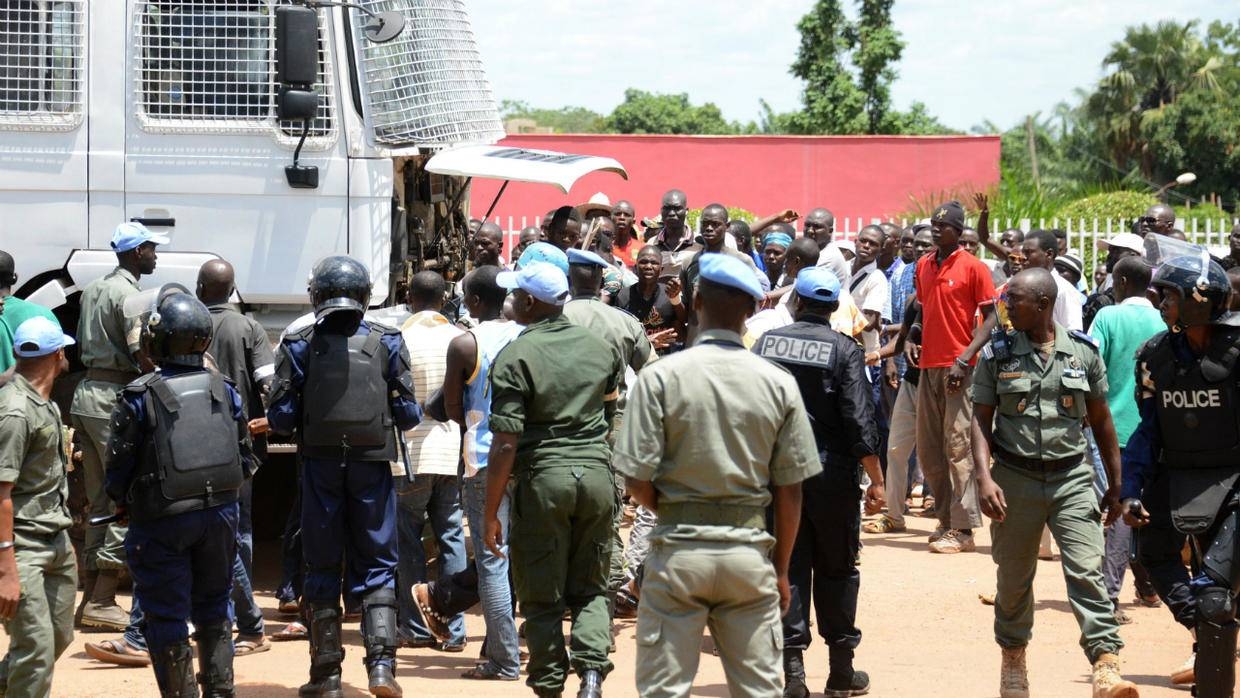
1203,286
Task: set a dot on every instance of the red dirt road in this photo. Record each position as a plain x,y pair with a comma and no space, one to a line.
926,634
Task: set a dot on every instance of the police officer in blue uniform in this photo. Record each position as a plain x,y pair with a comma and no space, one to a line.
1182,465
343,384
178,454
830,370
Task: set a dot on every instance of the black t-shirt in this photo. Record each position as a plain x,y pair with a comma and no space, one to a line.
655,313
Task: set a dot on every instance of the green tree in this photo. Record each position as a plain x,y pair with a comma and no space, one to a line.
646,112
562,120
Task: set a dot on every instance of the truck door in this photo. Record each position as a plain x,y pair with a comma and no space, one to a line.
205,154
43,135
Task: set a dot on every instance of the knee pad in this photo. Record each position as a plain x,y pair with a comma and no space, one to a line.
1216,605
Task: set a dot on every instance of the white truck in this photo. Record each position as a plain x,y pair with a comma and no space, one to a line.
168,112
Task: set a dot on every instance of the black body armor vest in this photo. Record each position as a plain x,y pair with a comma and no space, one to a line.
346,413
1198,410
190,459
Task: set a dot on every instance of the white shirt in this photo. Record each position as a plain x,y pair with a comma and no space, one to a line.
1068,305
434,447
871,292
831,258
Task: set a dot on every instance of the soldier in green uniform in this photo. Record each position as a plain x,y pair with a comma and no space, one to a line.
111,351
1031,395
38,571
712,436
553,393
626,334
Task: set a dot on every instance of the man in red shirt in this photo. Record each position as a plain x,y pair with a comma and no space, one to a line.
953,287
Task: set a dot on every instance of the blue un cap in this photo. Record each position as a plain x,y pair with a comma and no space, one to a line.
726,270
39,336
541,280
544,252
818,284
129,235
576,256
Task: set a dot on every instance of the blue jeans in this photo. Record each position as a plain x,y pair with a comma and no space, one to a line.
249,616
435,499
501,648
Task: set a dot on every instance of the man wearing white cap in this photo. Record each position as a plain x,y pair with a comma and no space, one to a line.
1117,247
553,394
38,571
111,351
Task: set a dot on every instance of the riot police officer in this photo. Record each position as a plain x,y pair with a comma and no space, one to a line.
178,453
830,371
1182,465
344,385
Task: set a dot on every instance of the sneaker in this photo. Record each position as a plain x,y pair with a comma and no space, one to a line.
938,533
845,687
1108,683
1013,675
884,524
1187,673
954,541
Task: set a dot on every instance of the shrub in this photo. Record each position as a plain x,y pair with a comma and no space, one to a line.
1116,205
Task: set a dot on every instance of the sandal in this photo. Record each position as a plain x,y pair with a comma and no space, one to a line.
250,644
293,631
117,652
482,673
290,608
884,524
437,624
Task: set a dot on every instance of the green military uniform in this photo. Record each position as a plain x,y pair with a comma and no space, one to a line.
107,340
713,427
624,332
1039,453
550,386
17,311
32,457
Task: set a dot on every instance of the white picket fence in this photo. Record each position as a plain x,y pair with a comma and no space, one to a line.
1083,235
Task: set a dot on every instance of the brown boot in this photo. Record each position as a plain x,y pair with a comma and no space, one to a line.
102,610
1108,683
1013,676
88,590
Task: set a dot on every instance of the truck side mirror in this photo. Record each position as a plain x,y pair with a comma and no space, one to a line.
297,67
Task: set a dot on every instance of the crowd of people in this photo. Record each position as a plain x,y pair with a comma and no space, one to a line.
752,396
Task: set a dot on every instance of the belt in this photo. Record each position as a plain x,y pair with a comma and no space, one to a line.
700,514
1036,464
108,375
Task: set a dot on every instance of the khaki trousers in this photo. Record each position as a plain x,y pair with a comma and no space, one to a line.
43,625
943,448
726,586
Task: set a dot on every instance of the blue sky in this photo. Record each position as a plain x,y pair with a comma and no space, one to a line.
967,60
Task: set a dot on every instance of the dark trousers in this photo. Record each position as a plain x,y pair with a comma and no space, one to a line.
455,593
1159,545
349,505
182,569
292,567
824,561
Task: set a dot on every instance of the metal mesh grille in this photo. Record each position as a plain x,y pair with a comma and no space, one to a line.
41,63
209,67
426,87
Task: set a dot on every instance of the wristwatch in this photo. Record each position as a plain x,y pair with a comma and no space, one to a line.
961,363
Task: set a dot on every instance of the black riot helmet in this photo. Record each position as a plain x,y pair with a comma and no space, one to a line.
339,283
178,328
1203,286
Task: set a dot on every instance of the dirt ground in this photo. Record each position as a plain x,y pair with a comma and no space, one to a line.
926,634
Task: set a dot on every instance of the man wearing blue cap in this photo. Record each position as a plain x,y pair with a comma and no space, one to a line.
112,353
553,394
712,559
38,570
627,336
829,369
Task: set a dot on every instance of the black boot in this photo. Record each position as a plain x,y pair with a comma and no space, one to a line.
1215,666
844,681
591,684
215,659
174,671
794,675
379,637
326,653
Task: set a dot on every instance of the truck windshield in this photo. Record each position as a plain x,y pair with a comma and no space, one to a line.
427,87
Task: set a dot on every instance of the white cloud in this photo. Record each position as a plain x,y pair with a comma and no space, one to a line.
967,60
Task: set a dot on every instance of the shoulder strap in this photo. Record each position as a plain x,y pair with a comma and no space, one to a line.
1082,337
371,345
